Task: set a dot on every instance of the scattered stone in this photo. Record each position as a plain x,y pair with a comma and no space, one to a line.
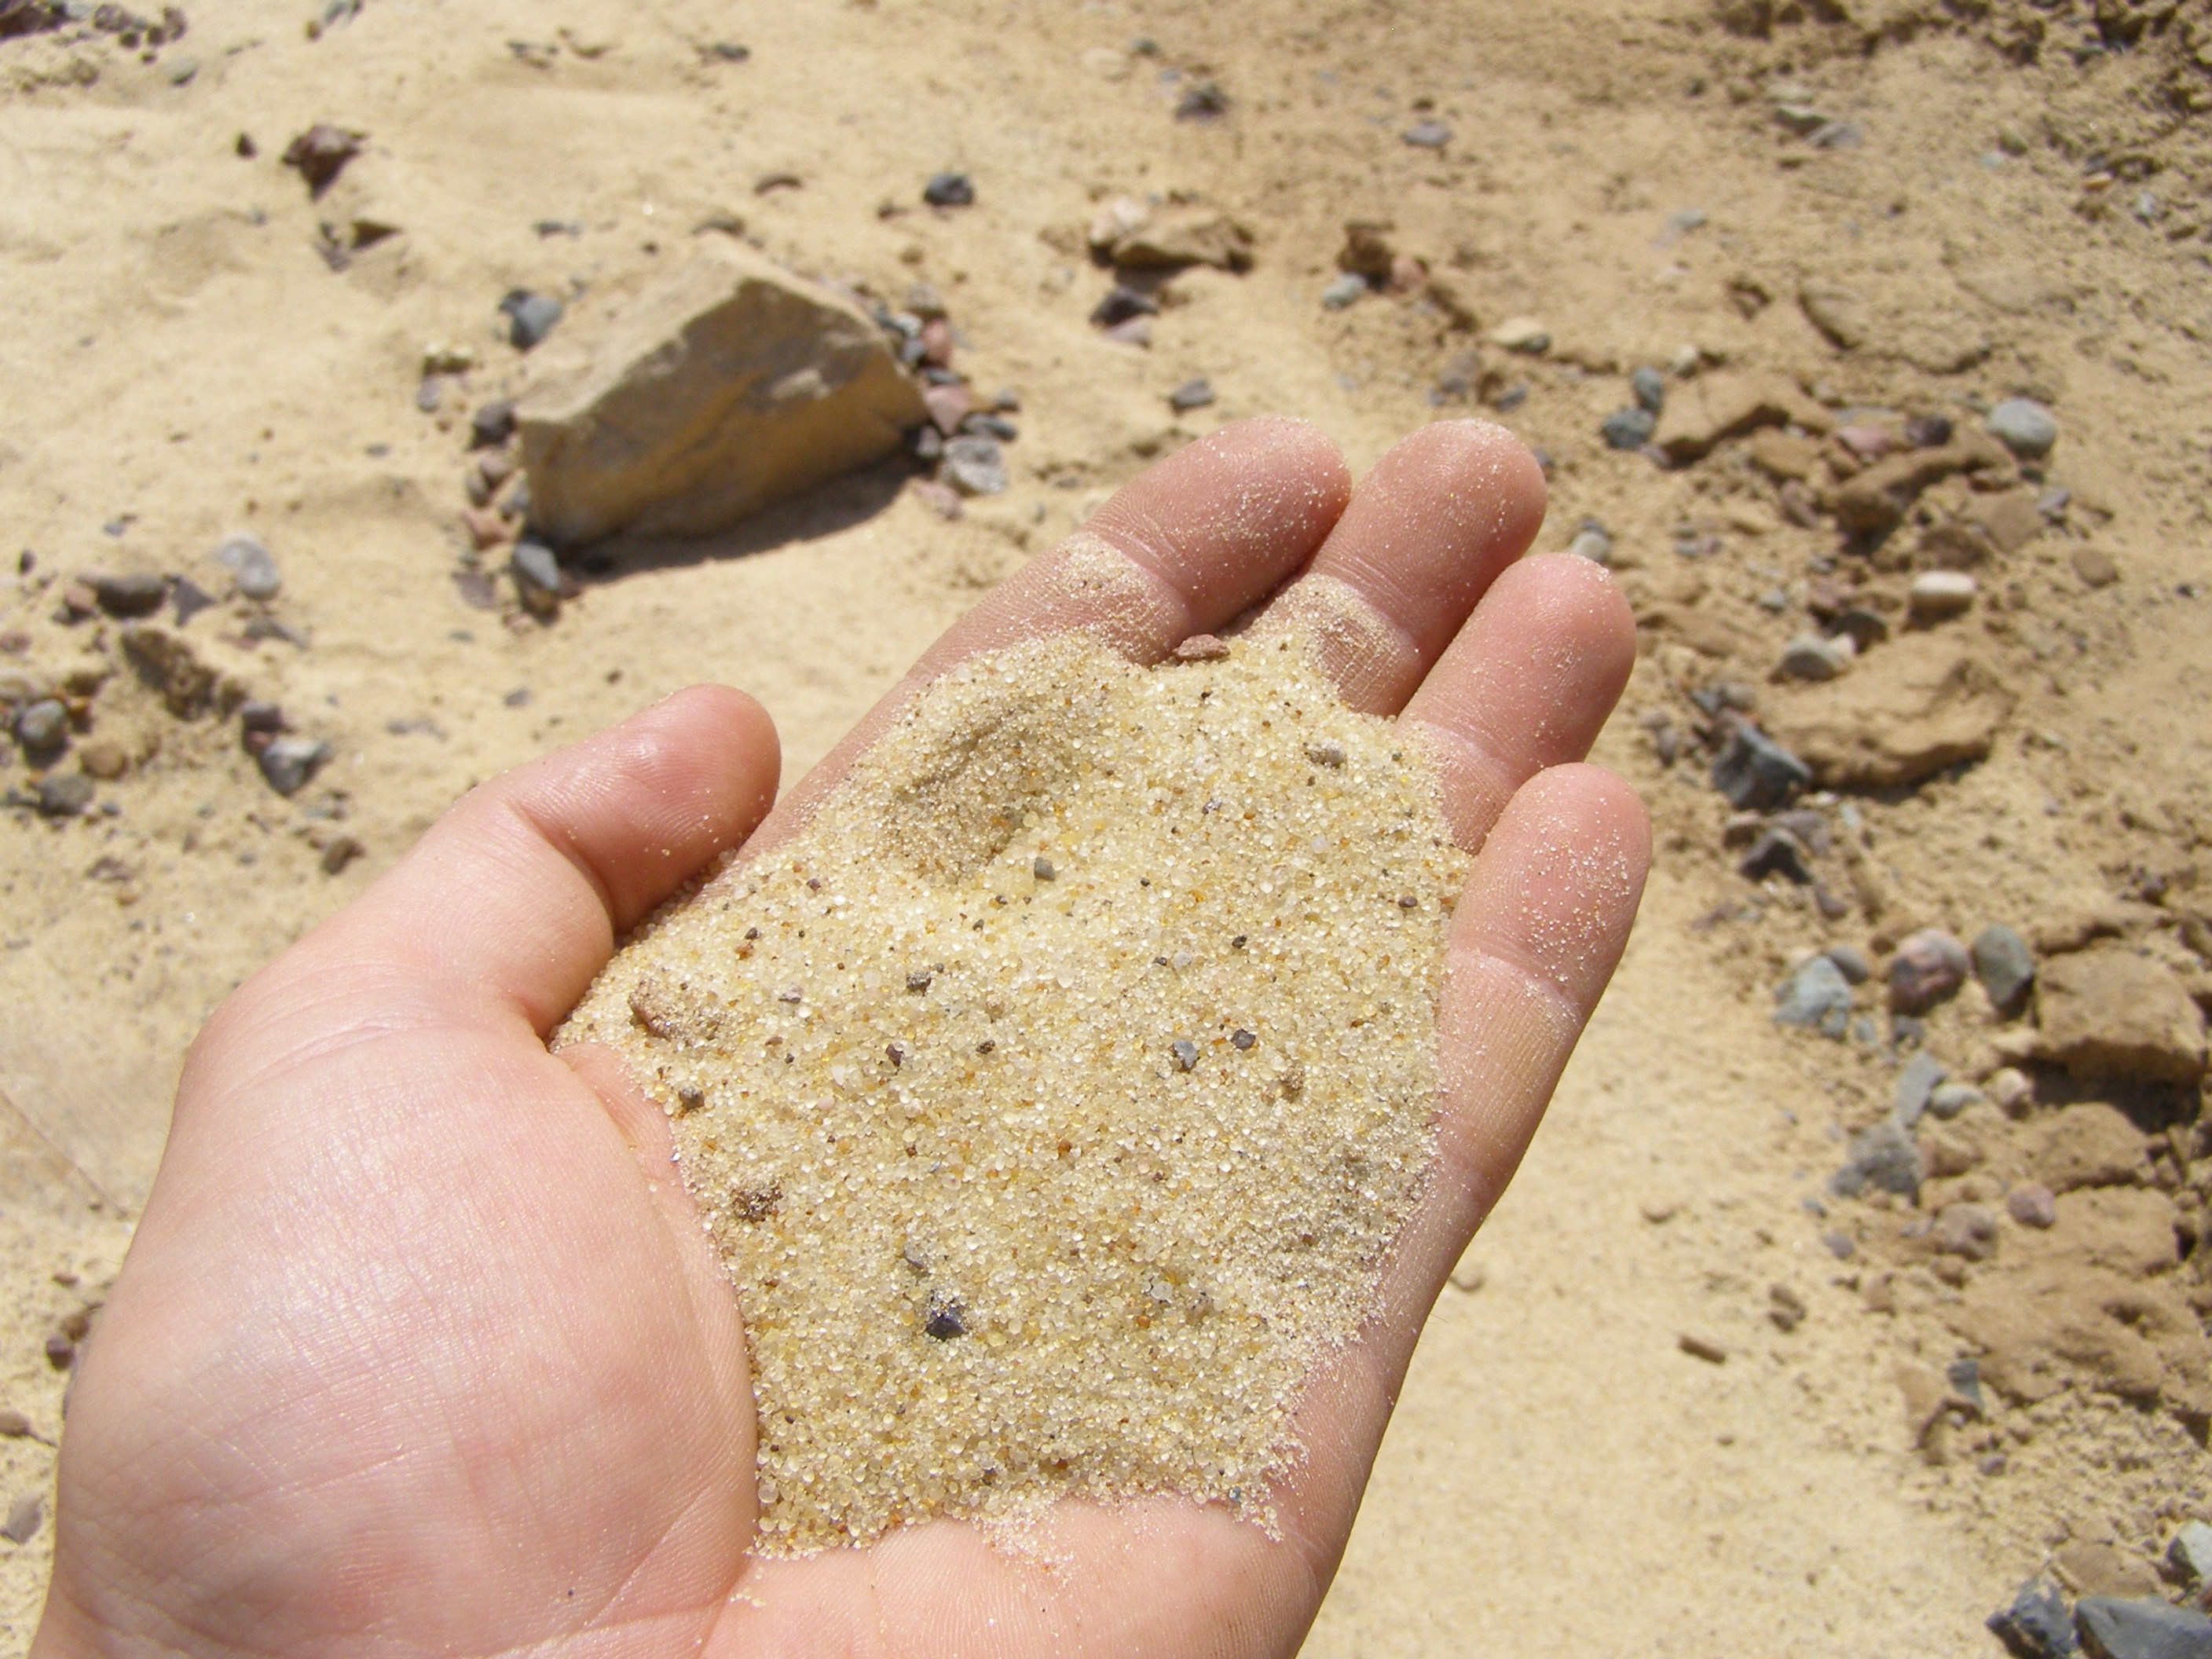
1174,241
536,578
1121,216
1756,774
1916,1081
1850,962
1203,648
1842,1246
1776,852
104,759
2036,1625
2095,566
725,387
942,499
64,795
2004,965
937,342
1427,135
1714,408
251,566
530,317
1523,334
1204,102
1950,1099
1967,1231
321,153
973,466
24,1518
1816,997
948,407
1702,1347
1191,394
2012,1090
2033,1205
2109,1012
1185,1053
1878,498
1345,291
1593,542
1924,703
492,424
1883,1157
950,190
486,529
1137,331
1938,595
141,593
288,763
42,725
1651,388
2190,1551
1121,304
990,426
1928,967
2088,1143
1814,657
342,851
2145,1628
14,1425
1786,1309
2024,427
1868,443
1928,431
1629,428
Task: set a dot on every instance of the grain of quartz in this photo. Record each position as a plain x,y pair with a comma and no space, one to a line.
1053,1097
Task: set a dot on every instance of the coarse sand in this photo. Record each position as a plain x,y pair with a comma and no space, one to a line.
1053,1097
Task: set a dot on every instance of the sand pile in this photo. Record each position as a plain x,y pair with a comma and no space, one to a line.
1053,1096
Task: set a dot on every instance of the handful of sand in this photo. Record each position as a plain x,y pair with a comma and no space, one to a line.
1053,1097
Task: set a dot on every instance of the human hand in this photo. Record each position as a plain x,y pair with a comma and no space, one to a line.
420,1349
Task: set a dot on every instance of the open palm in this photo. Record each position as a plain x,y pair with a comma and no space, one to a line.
420,1350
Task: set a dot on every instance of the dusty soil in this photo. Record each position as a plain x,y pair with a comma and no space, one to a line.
2024,212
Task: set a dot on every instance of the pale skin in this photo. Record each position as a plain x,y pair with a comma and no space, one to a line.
419,1350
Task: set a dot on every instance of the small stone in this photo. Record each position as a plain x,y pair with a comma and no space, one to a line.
2141,1629
24,1517
1348,290
139,594
2012,1090
1850,962
2109,1012
259,716
1816,997
2004,965
947,190
492,424
42,725
104,759
1883,1157
60,1352
973,466
2190,1551
486,529
64,795
990,426
1756,774
1842,1246
1326,754
1938,595
1191,394
342,851
1137,331
1521,334
944,1322
14,1425
1929,966
251,566
1928,431
536,578
2024,427
1186,1054
321,153
1203,648
1776,852
1592,542
1966,1230
1629,428
429,393
2033,1204
1204,102
1811,657
1122,303
1916,1081
288,762
1702,1347
2095,566
530,317
1427,135
1651,388
1947,1100
948,407
1868,443
2036,1625
1786,1309
1243,1041
1041,867
918,980
937,342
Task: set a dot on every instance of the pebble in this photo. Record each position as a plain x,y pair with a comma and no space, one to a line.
1868,443
1953,1098
1813,656
2190,1551
187,599
530,317
536,578
1593,542
1186,1054
1776,852
973,466
42,725
429,392
1786,1309
1967,1231
926,442
2145,1629
1137,331
2004,964
1702,1347
1192,394
251,565
990,426
1204,102
2095,566
1916,1081
1629,428
492,424
2033,1204
321,153
24,1518
936,342
342,851
1928,431
1523,334
1928,967
1427,135
2024,427
1122,303
2012,1090
1850,962
65,795
1883,1157
14,1425
1816,997
947,190
1757,773
947,406
1842,1246
287,762
1937,595
1651,388
138,594
1348,290
2036,1625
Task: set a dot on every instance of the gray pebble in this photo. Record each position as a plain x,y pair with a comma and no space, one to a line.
287,762
1192,394
1811,657
2145,1629
1915,1083
990,426
1883,1157
491,423
1966,1230
252,565
2191,1551
1816,998
1347,289
950,190
42,725
530,317
973,466
24,1518
536,578
1186,1054
1123,304
1326,754
2036,1625
1950,1099
1650,390
1041,868
2004,964
1757,773
139,594
2024,427
1593,542
1776,852
1850,962
430,394
1629,428
64,795
1427,135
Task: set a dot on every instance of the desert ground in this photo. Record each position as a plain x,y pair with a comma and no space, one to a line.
1690,1393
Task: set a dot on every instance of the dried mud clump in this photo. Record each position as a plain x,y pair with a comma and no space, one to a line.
1053,1097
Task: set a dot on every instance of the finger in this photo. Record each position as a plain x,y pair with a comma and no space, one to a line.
514,899
1181,550
1526,685
1427,532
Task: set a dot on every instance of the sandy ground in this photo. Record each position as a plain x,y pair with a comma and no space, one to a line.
182,363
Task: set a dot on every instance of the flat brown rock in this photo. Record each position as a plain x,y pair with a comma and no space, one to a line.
1878,498
2053,1326
1717,407
1195,237
1907,711
2090,1144
2109,1012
